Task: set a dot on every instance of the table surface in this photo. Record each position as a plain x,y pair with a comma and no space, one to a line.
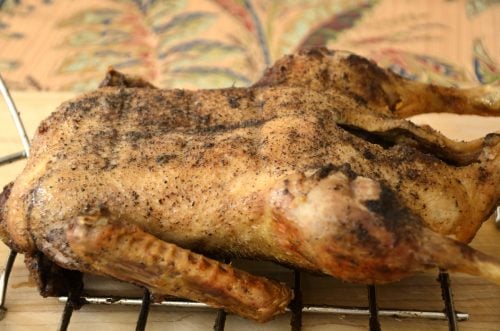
27,310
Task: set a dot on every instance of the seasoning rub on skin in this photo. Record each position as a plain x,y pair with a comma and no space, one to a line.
314,167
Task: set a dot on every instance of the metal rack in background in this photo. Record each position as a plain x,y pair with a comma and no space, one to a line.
296,308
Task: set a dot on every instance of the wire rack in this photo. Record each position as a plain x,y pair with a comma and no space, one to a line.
296,308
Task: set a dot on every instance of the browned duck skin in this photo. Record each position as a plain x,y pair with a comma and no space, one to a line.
310,177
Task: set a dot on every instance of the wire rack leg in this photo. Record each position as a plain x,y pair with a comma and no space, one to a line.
373,309
220,320
449,306
143,314
69,307
4,280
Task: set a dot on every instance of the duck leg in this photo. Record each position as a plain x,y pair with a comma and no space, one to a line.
356,229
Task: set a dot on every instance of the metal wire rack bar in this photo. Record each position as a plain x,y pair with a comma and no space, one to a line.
297,307
11,106
306,309
12,158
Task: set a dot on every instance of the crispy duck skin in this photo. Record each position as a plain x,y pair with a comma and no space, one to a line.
314,166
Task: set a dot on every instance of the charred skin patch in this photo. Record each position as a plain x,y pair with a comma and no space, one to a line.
370,87
324,171
164,158
233,102
345,168
361,64
359,99
365,238
395,215
43,128
367,154
114,78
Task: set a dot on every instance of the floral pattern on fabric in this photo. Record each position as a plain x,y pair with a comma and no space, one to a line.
68,45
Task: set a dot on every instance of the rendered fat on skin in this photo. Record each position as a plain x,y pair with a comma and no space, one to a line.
313,167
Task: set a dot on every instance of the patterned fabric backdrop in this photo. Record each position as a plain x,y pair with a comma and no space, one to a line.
67,45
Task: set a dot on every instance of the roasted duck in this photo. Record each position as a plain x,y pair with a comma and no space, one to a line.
313,167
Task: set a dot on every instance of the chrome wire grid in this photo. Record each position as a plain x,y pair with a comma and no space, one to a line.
296,307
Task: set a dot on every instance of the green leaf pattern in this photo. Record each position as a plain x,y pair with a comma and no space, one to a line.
166,41
476,7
